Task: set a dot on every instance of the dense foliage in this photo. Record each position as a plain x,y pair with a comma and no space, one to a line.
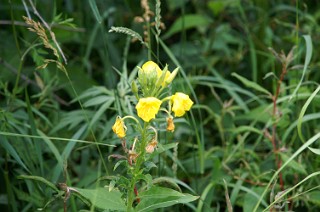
249,142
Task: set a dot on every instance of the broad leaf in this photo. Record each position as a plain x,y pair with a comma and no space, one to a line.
103,198
159,197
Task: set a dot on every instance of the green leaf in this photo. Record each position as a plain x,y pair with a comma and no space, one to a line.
314,150
187,22
103,198
164,147
307,38
11,150
295,154
159,197
251,84
250,200
314,197
41,179
95,10
293,164
303,111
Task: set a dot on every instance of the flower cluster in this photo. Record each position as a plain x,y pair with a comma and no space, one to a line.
152,81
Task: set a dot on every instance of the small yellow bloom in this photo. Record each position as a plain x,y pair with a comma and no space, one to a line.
119,128
150,66
181,103
148,108
170,124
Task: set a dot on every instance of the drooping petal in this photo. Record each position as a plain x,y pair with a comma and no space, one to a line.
148,107
119,128
181,103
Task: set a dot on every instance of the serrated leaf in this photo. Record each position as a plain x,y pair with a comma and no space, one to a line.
103,198
159,197
251,84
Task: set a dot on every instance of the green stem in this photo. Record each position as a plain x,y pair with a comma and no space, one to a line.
149,42
136,167
131,194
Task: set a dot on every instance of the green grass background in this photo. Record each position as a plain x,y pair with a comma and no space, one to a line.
58,127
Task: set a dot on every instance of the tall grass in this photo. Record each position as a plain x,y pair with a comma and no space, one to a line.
240,148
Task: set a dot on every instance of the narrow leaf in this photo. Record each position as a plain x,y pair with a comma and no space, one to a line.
302,112
251,84
314,150
187,22
95,10
40,179
307,38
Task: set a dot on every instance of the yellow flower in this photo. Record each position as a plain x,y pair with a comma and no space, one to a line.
148,108
181,104
119,128
149,67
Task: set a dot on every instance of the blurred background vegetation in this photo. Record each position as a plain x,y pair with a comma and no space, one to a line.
225,137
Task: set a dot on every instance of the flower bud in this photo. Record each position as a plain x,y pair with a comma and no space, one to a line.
172,76
134,88
151,146
170,124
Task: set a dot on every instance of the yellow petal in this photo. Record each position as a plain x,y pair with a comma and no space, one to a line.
119,128
150,66
148,107
181,103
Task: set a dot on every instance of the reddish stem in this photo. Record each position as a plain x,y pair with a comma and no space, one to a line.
275,141
136,193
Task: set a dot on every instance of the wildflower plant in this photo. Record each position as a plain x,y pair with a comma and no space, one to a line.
134,189
151,100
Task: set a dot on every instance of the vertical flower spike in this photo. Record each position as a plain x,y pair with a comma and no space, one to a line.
147,108
170,124
119,128
181,103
